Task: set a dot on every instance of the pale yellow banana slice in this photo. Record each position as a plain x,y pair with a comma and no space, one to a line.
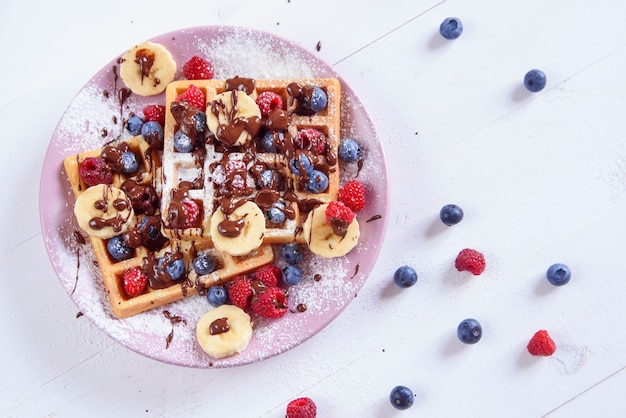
224,331
104,211
147,69
222,122
239,233
321,238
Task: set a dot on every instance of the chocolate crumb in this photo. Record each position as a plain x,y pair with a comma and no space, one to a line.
79,314
319,45
356,271
374,218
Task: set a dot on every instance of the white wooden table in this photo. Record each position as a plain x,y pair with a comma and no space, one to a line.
541,178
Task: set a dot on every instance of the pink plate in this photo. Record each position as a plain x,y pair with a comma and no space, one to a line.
92,119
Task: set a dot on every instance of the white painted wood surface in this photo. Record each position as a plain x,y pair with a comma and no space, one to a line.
541,178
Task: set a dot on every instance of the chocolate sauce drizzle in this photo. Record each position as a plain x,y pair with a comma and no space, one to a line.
174,319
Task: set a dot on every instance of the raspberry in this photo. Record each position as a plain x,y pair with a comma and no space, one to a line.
198,69
94,170
269,275
240,291
268,101
154,113
470,260
135,281
339,212
541,344
192,211
301,408
271,303
352,194
311,138
195,97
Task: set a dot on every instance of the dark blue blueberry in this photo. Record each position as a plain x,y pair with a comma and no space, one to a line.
276,214
203,264
174,267
270,139
451,214
270,179
535,80
118,249
349,150
182,142
129,162
319,101
318,182
451,28
154,233
134,124
200,121
292,275
152,133
558,274
301,161
292,253
469,331
216,295
401,397
405,276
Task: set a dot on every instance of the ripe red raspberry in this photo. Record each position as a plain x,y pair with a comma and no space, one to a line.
338,211
240,291
198,68
301,408
352,194
311,138
541,344
470,260
194,96
154,113
94,170
135,281
192,212
270,303
268,274
268,101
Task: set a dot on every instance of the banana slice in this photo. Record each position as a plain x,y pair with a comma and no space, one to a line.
147,69
240,232
233,128
224,331
321,238
104,211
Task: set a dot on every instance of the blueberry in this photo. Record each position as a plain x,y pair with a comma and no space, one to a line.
401,397
182,142
300,161
318,182
451,214
153,133
203,264
200,121
134,124
276,213
216,295
269,140
292,275
318,100
118,249
292,253
469,331
129,162
349,150
451,28
535,80
174,267
405,276
270,179
558,274
154,233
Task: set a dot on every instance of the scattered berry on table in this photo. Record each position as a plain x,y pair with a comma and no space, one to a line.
134,124
268,101
535,80
405,276
198,68
292,253
401,397
153,134
469,331
451,214
182,142
118,249
194,96
318,100
541,344
338,212
192,212
269,275
300,162
352,194
154,113
270,303
470,260
311,139
216,296
94,170
175,267
451,28
240,291
292,275
203,263
129,162
135,281
349,151
301,408
558,274
318,182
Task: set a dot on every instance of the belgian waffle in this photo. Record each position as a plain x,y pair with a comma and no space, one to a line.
207,168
